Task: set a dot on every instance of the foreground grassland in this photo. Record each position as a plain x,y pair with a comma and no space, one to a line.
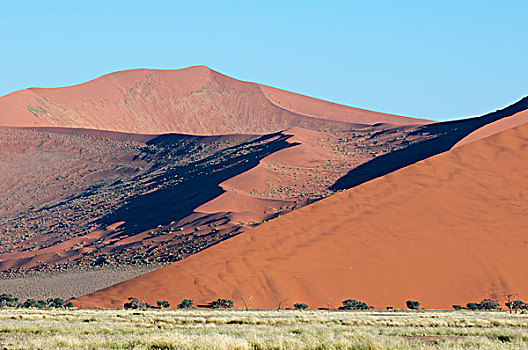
237,329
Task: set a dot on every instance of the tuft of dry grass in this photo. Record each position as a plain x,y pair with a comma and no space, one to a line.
260,329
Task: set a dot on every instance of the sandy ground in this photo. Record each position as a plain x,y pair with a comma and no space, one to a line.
73,283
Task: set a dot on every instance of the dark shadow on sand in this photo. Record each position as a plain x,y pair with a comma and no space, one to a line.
447,135
200,184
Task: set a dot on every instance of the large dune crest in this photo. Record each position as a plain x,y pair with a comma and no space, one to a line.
195,100
447,230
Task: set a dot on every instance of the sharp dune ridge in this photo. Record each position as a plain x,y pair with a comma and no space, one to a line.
495,127
446,135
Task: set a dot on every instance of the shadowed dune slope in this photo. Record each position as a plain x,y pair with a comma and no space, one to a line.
445,136
446,230
195,100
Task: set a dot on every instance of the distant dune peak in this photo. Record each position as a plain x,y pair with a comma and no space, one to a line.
195,100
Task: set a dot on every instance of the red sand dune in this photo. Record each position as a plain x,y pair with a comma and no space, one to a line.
283,178
316,108
447,230
494,128
194,100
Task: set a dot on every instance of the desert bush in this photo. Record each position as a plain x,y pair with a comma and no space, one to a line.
458,307
413,304
517,305
489,304
300,306
135,303
34,303
186,304
49,303
472,306
222,304
7,300
163,304
55,302
352,304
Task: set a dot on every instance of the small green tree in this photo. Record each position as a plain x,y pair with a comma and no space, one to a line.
186,304
472,306
7,300
300,306
413,304
41,304
135,303
352,304
510,299
516,305
458,307
56,303
163,304
222,304
489,304
30,303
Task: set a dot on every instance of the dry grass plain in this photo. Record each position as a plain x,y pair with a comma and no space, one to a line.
237,329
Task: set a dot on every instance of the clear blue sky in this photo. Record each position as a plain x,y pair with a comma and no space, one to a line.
430,59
